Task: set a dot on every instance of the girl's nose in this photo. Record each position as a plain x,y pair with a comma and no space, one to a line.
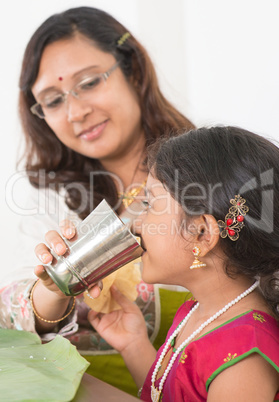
137,224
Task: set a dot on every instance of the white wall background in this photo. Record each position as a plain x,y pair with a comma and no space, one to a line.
217,60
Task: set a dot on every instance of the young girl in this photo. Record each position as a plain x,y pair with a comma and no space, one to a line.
211,225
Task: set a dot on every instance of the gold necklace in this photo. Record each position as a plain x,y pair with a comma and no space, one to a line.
128,197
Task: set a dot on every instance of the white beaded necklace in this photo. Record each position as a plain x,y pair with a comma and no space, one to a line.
155,393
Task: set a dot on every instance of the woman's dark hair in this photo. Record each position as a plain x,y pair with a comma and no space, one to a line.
205,168
44,151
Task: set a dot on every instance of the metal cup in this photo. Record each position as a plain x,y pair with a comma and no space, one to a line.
103,244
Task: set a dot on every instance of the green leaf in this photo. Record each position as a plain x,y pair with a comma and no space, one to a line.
32,371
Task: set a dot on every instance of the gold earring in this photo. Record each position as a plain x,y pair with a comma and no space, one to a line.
197,263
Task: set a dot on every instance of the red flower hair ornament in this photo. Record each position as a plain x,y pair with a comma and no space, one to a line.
234,220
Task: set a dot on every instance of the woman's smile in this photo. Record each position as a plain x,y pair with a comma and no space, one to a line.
93,132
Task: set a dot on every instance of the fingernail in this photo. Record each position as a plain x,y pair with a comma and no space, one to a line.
89,295
100,285
45,257
59,248
69,232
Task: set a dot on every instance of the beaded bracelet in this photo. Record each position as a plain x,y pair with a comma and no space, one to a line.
43,319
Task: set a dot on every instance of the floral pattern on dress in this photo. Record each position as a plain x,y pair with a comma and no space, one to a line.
23,302
230,357
16,312
183,358
145,291
258,317
7,296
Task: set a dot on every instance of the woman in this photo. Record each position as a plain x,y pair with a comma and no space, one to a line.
217,193
90,105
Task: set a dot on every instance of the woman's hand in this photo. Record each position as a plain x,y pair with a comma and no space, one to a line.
46,290
56,243
120,327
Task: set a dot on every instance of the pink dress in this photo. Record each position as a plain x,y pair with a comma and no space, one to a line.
203,359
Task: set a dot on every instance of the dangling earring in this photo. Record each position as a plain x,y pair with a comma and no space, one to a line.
197,263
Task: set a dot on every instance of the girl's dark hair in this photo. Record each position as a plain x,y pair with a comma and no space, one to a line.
205,168
44,151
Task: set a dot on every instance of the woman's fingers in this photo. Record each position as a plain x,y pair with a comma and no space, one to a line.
56,242
67,229
41,273
43,253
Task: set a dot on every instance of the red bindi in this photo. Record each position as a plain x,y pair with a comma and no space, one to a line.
60,78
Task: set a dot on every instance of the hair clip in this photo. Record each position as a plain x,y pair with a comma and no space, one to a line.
123,38
234,220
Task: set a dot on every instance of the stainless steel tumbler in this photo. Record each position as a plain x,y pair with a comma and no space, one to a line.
103,243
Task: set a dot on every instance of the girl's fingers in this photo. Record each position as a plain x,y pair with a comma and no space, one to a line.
95,290
122,300
94,318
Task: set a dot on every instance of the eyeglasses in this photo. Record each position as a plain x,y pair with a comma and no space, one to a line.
50,104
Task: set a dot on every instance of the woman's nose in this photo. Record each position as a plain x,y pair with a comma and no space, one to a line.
77,109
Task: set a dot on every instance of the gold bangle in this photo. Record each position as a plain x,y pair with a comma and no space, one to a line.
43,319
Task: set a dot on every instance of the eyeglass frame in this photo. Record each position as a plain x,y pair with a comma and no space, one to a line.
65,94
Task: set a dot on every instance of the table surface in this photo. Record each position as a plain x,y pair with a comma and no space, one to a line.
94,390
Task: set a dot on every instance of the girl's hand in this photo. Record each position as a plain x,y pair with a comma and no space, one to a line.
123,327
